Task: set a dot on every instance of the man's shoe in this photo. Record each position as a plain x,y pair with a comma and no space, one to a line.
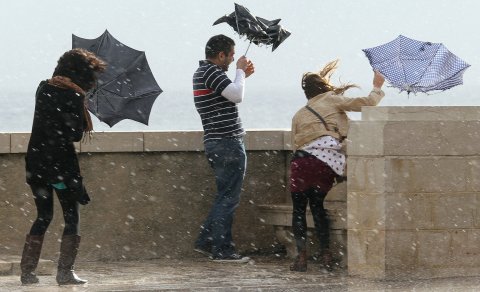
203,250
232,258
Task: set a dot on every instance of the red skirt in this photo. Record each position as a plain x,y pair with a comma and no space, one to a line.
310,172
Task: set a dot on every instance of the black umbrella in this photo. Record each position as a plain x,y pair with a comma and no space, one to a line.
259,31
127,88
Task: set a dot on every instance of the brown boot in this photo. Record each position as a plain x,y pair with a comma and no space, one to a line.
68,252
327,259
300,263
30,257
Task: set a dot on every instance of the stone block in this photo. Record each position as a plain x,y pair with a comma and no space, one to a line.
365,211
453,210
174,141
427,174
264,140
114,142
366,253
4,143
5,268
280,215
473,173
287,140
19,142
338,193
365,138
408,211
428,138
367,175
434,249
420,113
476,216
337,214
465,248
400,251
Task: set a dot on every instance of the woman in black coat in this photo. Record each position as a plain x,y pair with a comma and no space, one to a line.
60,120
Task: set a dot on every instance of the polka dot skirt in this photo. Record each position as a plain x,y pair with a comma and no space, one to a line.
327,149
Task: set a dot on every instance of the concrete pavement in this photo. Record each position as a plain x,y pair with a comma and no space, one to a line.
200,274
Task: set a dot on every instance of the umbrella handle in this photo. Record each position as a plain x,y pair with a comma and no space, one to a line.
247,48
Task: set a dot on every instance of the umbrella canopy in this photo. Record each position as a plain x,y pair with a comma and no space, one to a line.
127,88
416,66
256,29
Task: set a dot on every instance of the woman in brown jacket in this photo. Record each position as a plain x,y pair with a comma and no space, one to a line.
318,130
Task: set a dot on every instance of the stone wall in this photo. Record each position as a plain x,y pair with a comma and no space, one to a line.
414,192
150,192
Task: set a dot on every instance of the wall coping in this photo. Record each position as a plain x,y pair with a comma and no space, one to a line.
256,139
420,113
154,141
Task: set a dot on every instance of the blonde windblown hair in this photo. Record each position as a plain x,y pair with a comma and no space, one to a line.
314,84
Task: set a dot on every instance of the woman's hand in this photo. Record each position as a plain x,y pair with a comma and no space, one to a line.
378,79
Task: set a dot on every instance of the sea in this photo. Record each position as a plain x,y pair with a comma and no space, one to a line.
170,112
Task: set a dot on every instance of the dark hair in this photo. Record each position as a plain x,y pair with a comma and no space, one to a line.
81,67
217,44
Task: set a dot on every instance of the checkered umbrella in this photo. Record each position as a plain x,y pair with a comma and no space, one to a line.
416,66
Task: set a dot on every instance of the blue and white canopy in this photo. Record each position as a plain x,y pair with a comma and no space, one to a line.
416,66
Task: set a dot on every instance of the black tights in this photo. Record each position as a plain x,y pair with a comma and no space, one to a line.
299,220
43,195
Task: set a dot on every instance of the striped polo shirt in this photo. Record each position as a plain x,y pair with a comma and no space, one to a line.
219,116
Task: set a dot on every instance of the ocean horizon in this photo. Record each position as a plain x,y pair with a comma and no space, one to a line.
261,109
170,112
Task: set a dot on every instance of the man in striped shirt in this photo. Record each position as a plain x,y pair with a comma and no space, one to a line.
216,98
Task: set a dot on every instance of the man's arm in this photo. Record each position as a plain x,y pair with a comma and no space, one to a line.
234,91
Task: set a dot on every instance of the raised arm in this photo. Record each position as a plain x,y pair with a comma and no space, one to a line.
375,96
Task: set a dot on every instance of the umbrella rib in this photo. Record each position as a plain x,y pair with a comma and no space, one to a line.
126,70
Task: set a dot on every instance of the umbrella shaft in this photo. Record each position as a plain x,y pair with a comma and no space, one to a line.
247,49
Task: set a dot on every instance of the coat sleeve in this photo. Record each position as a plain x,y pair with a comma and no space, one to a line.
293,133
73,117
355,104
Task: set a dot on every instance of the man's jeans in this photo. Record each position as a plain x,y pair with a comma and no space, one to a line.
228,159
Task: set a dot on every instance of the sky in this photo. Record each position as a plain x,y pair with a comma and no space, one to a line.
173,35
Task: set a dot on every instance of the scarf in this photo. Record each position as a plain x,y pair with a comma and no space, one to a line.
66,83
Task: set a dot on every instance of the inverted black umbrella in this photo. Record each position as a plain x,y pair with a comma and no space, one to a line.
127,88
259,31
417,66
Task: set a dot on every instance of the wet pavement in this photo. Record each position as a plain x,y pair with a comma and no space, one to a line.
199,274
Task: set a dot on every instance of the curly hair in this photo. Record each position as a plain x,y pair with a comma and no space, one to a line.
314,84
81,67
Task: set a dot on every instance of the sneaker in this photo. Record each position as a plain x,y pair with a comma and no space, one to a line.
203,250
232,258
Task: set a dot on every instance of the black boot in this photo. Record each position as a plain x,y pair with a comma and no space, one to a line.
30,257
68,252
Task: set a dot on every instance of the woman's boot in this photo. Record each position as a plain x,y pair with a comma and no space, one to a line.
68,252
327,259
30,257
300,263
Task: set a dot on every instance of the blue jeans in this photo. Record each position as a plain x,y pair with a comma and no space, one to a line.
228,159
